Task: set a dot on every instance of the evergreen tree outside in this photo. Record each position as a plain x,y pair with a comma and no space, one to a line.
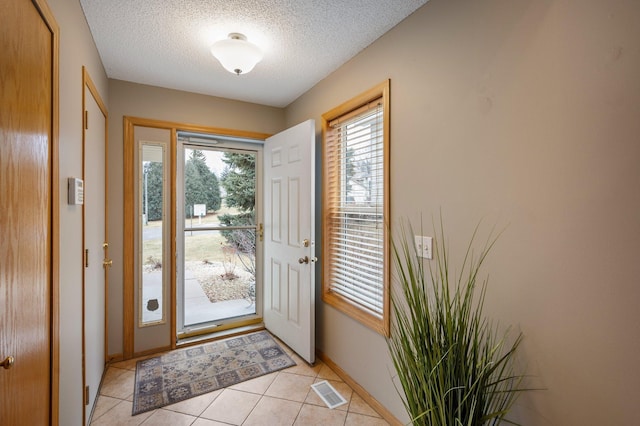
209,181
214,198
201,185
153,181
239,182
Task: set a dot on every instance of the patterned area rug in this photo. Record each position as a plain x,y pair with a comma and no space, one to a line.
189,372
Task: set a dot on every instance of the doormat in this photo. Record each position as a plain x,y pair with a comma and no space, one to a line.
185,373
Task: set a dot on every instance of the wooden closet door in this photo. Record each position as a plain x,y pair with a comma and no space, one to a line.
26,127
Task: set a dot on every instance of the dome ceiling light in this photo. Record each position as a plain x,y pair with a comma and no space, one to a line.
236,54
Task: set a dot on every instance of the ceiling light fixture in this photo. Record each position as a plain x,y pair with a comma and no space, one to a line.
236,54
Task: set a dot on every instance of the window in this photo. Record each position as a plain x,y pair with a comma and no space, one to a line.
152,230
355,209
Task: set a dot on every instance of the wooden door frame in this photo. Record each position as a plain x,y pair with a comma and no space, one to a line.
50,21
129,208
87,83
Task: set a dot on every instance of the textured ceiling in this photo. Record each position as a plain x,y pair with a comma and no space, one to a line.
166,43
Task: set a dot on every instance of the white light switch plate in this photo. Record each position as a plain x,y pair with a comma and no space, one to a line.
424,246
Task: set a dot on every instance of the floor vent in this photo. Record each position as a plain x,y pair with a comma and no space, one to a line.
329,395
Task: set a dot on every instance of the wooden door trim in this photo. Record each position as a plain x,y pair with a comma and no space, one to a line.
128,246
50,21
87,83
128,243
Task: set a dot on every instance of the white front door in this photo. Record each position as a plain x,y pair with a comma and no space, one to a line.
289,241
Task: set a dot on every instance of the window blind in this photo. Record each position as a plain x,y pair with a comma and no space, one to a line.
354,213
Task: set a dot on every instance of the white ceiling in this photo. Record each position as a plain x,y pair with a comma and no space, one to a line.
166,43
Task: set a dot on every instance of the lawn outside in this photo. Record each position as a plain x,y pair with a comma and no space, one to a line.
216,266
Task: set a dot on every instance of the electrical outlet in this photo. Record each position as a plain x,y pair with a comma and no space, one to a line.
424,246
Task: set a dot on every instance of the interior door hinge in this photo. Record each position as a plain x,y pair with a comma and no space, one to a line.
86,395
86,119
261,231
86,258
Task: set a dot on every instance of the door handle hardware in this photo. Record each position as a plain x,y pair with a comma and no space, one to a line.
261,231
314,259
105,245
107,262
8,362
303,260
305,242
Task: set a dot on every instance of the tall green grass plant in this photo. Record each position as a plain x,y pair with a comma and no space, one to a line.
456,368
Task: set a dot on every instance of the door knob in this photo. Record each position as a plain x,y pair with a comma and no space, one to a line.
107,262
8,362
304,259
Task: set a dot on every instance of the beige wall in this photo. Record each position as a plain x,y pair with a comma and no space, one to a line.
137,100
523,114
76,49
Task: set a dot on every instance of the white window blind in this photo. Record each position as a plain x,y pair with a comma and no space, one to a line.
355,207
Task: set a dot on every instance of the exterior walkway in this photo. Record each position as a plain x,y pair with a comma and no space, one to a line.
198,308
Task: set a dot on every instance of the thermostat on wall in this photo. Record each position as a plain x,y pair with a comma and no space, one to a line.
76,191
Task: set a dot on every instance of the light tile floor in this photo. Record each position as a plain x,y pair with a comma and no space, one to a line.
281,398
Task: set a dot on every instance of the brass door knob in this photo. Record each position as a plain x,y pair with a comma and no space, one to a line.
107,262
8,362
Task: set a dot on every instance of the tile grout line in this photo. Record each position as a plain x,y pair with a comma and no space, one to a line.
252,410
299,411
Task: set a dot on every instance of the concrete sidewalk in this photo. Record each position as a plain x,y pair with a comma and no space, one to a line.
198,308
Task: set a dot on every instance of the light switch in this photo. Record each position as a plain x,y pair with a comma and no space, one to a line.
424,246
